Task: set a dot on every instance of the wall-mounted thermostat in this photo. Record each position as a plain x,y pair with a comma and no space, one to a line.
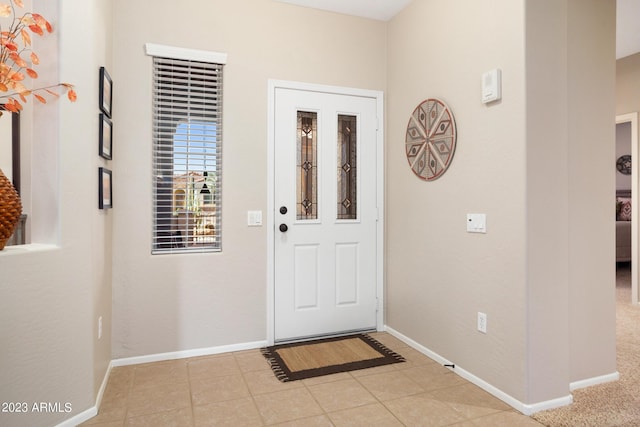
476,223
491,86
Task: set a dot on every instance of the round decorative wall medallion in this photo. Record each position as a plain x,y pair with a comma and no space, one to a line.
431,139
623,164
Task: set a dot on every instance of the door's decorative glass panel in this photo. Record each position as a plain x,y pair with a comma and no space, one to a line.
307,166
347,167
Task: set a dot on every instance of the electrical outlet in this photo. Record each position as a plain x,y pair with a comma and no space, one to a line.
482,322
99,327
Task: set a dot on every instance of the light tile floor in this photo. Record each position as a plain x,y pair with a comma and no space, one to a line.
239,389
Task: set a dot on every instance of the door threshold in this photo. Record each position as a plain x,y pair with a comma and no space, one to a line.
323,336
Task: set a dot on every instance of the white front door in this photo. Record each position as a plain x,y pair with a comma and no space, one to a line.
325,213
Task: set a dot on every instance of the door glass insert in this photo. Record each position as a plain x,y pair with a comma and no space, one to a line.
347,167
307,166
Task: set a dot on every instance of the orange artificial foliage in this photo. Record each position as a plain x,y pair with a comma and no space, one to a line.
15,41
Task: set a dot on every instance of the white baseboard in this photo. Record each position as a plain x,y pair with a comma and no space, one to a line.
93,411
79,418
188,353
526,409
594,381
103,386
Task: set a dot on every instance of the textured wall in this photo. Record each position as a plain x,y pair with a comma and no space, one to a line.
591,75
53,294
439,276
166,303
528,273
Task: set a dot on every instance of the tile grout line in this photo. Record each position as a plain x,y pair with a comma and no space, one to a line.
128,399
317,403
251,366
193,409
251,395
380,401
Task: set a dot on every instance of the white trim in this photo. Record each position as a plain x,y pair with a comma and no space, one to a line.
380,173
208,351
635,176
602,379
271,129
526,409
93,411
152,49
28,248
272,85
79,418
546,405
103,386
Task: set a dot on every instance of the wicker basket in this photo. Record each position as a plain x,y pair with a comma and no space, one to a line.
10,209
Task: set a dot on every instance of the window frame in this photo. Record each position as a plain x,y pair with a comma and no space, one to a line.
197,127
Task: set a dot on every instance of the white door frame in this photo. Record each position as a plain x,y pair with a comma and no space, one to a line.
635,175
378,96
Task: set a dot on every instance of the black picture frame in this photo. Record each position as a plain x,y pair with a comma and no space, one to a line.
105,189
106,92
106,137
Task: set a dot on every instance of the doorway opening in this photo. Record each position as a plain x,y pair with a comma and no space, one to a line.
627,187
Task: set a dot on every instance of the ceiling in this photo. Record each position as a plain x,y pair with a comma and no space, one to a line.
382,10
627,28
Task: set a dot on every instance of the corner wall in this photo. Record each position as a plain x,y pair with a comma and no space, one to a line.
53,294
438,275
543,272
592,77
547,249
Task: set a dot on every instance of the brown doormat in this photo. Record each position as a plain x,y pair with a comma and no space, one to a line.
297,361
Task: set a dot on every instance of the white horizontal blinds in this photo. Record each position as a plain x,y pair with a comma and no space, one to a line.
187,161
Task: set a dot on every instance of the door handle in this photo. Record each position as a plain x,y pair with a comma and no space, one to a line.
283,228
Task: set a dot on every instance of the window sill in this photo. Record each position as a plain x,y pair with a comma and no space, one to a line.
27,249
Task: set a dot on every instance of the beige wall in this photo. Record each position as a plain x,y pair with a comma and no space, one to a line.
52,296
512,163
168,303
547,241
542,273
439,276
591,76
628,84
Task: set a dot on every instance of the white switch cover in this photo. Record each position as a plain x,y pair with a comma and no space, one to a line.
254,218
476,223
482,322
492,86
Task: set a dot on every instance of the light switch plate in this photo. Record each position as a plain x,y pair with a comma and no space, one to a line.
492,86
254,218
476,223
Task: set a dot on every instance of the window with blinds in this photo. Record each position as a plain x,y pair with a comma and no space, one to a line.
187,161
